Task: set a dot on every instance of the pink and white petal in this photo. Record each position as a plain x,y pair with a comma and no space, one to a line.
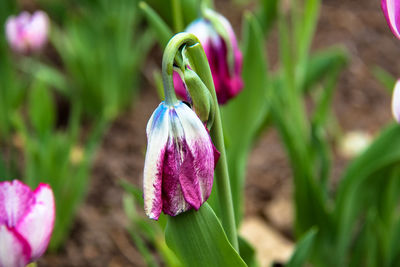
11,29
391,10
197,169
37,224
15,200
37,30
396,101
14,250
157,137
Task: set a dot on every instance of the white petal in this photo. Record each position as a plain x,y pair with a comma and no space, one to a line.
396,101
157,137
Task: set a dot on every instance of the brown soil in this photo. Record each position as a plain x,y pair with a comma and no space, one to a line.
99,237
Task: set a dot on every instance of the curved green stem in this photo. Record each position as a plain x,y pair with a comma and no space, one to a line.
169,57
199,63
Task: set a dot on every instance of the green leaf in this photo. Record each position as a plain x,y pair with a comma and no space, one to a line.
387,79
322,63
384,152
303,249
161,29
197,238
46,74
304,34
255,77
41,108
247,252
267,14
130,211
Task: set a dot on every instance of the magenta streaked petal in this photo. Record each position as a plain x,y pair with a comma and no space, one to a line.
197,170
14,249
182,164
157,137
15,200
173,200
223,54
391,10
396,101
180,88
37,224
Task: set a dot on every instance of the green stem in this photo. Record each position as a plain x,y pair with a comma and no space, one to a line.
199,63
170,56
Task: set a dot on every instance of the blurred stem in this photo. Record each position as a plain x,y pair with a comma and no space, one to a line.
177,15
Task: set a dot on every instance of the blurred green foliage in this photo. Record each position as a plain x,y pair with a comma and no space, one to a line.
95,68
103,52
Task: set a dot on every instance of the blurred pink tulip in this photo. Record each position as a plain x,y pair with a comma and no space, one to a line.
223,55
27,33
391,9
26,222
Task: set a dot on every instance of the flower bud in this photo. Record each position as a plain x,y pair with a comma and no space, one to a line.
180,161
27,33
391,10
26,222
220,45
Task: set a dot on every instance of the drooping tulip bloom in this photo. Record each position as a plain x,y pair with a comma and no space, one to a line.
26,222
27,33
391,9
223,55
396,101
180,161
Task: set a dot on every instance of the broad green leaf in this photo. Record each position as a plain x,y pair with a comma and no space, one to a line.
251,116
267,14
247,252
384,152
394,253
41,108
303,249
197,238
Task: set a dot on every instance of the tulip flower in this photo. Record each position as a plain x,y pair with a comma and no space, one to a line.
391,10
220,45
27,33
180,161
26,222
